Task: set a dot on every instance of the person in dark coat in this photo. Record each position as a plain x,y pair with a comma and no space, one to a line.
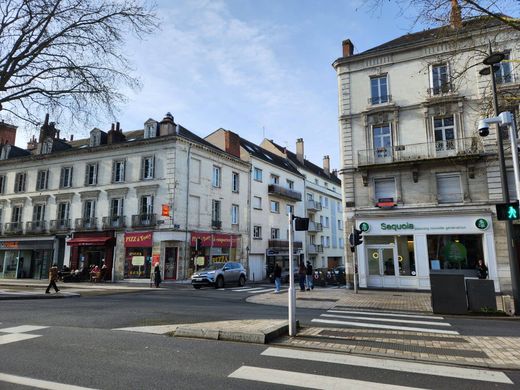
301,275
482,270
53,277
157,276
310,276
277,278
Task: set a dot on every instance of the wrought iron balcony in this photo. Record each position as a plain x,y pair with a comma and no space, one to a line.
440,90
276,189
315,227
35,226
60,225
142,220
284,244
13,228
216,224
114,222
313,205
312,248
380,99
86,223
461,147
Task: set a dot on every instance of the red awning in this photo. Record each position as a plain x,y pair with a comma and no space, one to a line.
89,241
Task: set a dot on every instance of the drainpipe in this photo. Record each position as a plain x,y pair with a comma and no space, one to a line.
187,208
249,230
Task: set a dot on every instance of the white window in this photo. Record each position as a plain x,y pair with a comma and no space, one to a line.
234,214
116,207
118,171
257,174
216,176
275,233
321,200
235,182
503,75
290,184
326,222
382,139
146,205
19,182
39,212
290,209
340,224
91,173
42,180
215,211
150,130
338,207
326,204
440,79
444,131
379,89
275,179
449,188
384,189
66,177
89,210
2,184
63,214
341,243
322,218
275,206
257,232
257,202
16,214
147,167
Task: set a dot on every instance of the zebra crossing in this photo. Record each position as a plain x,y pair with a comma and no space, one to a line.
19,333
402,321
395,374
253,290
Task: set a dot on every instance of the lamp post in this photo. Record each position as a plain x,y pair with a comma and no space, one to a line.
492,61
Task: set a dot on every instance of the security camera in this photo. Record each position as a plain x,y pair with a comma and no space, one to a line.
483,128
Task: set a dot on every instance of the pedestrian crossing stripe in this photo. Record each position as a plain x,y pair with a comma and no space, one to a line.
18,333
387,320
391,314
393,365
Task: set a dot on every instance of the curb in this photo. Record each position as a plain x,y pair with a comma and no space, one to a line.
40,296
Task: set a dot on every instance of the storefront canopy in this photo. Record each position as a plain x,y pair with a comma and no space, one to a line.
90,241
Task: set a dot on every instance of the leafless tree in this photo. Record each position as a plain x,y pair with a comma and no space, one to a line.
66,56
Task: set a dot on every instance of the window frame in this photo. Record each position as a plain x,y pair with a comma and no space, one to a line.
437,84
20,180
216,210
257,232
42,179
259,206
257,174
382,180
118,171
380,98
216,176
235,214
150,170
66,183
235,182
94,169
275,233
276,209
3,179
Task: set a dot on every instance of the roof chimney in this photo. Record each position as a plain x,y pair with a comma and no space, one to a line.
72,137
326,164
31,145
455,16
299,150
166,126
348,48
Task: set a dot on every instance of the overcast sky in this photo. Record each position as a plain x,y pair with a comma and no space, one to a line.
256,67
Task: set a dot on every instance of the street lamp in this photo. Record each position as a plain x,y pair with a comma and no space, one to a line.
492,61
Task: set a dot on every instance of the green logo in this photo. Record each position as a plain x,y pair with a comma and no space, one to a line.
482,224
364,227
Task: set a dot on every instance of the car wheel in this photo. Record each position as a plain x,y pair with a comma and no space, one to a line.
220,282
196,287
242,281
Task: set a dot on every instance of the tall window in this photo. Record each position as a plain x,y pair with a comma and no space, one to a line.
340,224
382,138
146,205
275,233
147,167
290,209
89,210
444,131
39,212
275,206
257,232
275,179
216,176
257,174
16,214
91,173
290,184
384,189
118,171
503,75
63,214
440,79
116,207
449,188
42,180
234,182
379,89
66,177
234,214
19,182
257,202
215,211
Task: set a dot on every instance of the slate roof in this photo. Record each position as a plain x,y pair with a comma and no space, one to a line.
15,151
307,165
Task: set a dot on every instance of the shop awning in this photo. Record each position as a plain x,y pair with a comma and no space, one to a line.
89,241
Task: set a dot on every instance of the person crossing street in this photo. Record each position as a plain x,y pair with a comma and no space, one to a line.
53,277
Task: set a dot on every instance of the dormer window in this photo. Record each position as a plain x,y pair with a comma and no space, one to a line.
150,129
4,155
95,138
47,146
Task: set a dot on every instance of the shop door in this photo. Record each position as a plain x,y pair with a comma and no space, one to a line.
170,263
381,266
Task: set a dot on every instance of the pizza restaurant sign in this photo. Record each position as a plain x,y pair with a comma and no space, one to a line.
138,239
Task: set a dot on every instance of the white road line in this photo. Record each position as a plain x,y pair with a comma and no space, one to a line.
14,337
394,365
382,326
372,313
247,289
39,384
22,329
309,381
261,291
387,320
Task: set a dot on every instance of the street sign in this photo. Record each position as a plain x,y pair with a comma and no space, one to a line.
508,211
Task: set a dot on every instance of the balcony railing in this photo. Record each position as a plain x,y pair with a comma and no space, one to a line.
60,225
216,224
440,90
114,222
142,220
13,228
35,226
315,226
312,205
86,223
380,99
284,244
276,189
430,150
315,248
510,78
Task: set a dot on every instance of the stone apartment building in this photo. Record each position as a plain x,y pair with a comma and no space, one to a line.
417,178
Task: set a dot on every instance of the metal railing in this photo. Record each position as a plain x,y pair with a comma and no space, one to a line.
114,222
276,189
60,225
380,99
216,224
443,89
315,226
36,226
13,228
510,78
139,220
313,248
312,205
459,147
86,223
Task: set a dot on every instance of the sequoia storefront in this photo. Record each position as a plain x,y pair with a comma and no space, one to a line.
401,252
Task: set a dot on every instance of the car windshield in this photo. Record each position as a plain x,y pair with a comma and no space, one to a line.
214,266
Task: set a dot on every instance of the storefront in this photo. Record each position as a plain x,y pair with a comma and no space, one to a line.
278,252
401,252
26,258
138,255
90,249
213,248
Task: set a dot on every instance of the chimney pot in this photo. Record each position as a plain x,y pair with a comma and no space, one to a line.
455,16
117,126
72,137
300,150
326,164
348,48
112,127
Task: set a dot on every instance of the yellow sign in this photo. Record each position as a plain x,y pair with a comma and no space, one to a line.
137,260
200,260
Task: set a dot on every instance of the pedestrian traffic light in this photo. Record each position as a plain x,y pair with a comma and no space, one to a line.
301,224
357,237
508,211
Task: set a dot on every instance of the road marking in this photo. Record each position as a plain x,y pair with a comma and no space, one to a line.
261,291
394,365
38,383
22,329
303,380
382,326
247,289
14,337
387,320
372,313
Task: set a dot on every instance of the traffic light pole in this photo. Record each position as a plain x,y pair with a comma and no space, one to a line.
354,261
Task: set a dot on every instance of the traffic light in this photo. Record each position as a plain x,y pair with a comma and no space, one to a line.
508,211
355,239
301,224
198,244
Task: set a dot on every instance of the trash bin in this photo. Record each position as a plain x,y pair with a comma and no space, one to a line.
481,294
448,293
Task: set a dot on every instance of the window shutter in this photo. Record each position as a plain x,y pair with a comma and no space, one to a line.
62,178
143,161
448,188
35,213
124,171
121,206
23,181
46,179
87,170
114,171
152,168
150,206
71,171
95,173
93,209
384,188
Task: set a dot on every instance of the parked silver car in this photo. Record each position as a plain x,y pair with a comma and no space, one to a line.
219,274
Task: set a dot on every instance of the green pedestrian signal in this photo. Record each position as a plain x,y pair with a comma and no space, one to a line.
508,211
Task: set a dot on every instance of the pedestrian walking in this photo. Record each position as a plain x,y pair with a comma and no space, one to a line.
301,274
277,278
157,276
53,277
310,276
482,269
